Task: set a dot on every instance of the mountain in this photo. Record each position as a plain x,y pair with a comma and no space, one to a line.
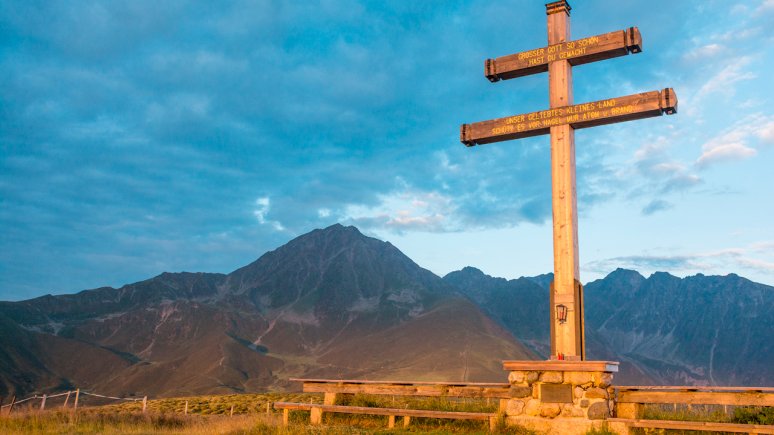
715,330
331,303
521,305
335,303
699,330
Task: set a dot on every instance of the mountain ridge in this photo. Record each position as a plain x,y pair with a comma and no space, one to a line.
336,303
701,329
295,311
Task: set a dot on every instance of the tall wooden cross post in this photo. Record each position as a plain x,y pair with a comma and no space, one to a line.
567,337
560,121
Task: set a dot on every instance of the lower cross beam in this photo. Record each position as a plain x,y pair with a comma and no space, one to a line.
628,108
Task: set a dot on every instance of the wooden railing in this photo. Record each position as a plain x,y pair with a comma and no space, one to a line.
630,403
407,388
332,388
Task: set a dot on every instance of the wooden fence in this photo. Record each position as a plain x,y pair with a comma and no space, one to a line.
631,402
74,394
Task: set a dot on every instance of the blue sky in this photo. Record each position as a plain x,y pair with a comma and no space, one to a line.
139,137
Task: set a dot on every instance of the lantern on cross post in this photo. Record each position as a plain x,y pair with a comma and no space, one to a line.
561,313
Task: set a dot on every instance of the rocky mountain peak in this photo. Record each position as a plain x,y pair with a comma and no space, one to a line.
467,274
330,273
625,277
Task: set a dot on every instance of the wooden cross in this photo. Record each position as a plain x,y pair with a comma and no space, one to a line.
560,121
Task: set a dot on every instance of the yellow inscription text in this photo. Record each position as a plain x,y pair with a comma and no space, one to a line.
515,119
607,103
532,53
585,42
503,130
572,53
622,110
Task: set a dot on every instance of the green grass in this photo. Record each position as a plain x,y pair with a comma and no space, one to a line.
753,415
98,421
217,405
431,403
683,413
601,431
708,413
211,415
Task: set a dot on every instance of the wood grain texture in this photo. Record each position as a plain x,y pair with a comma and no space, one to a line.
693,388
562,366
696,398
578,52
585,115
408,390
484,416
696,425
398,382
566,336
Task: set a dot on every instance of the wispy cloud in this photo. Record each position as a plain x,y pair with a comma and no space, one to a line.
161,133
408,210
724,81
766,132
704,52
261,211
737,142
663,173
755,257
763,266
720,152
655,206
766,6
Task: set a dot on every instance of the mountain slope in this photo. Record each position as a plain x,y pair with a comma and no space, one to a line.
520,304
703,330
330,302
713,330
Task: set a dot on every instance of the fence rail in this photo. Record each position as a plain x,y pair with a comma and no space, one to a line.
631,402
77,393
733,396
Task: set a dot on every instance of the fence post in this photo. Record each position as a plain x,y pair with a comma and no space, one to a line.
144,404
186,408
43,403
77,395
629,410
232,411
67,399
10,407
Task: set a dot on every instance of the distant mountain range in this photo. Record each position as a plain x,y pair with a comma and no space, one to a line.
335,303
699,330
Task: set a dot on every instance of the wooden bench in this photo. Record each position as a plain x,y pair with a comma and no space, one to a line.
630,402
695,425
316,411
332,388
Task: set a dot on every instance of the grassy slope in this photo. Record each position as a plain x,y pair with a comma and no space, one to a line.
211,415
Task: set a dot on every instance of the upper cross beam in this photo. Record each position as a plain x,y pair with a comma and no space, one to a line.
628,108
578,52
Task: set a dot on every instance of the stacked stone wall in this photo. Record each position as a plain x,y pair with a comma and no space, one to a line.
592,400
